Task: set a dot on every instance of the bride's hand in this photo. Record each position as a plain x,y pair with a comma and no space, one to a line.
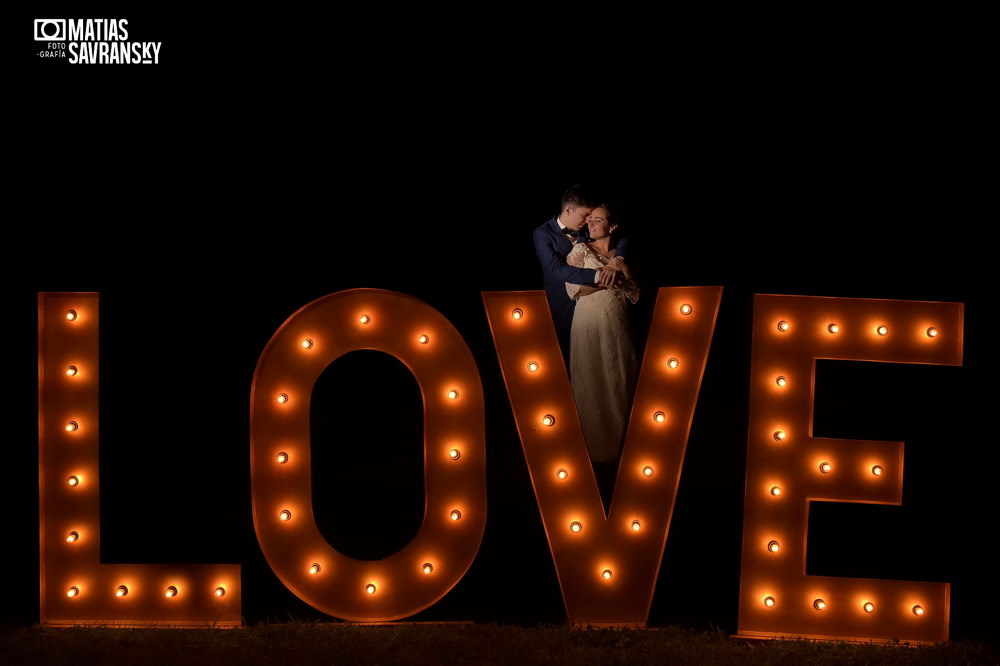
626,273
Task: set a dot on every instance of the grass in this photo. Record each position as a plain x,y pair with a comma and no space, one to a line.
479,644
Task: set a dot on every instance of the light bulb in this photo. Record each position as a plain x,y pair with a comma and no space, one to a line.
636,526
282,457
532,366
769,602
781,381
282,398
72,370
783,326
456,514
918,610
72,426
779,435
647,470
659,417
452,394
834,329
170,592
825,467
307,343
775,490
516,313
672,363
370,588
869,607
220,591
686,309
877,470
548,420
364,319
428,567
882,330
932,332
71,315
576,526
454,454
773,546
72,592
314,568
73,481
285,514
819,604
72,536
121,591
606,574
423,339
562,473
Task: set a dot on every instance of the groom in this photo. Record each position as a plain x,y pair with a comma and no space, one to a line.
553,241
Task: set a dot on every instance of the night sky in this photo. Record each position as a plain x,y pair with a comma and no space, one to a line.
207,200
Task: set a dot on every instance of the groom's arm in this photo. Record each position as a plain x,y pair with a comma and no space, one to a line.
554,264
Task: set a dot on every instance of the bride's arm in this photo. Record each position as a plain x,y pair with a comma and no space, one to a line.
575,258
629,284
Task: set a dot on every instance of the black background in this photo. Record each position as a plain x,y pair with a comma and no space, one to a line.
270,160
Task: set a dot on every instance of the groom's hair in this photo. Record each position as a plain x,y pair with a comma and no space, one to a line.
577,195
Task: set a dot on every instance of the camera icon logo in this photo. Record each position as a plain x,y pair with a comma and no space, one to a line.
50,30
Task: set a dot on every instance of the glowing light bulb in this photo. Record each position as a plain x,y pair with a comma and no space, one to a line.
428,567
576,526
72,536
282,457
636,526
285,514
918,610
773,546
882,330
781,381
562,473
282,398
833,329
220,591
819,604
548,420
370,588
307,343
775,490
170,592
121,591
516,313
71,315
454,454
72,426
659,417
686,309
452,394
877,470
456,514
364,319
932,333
647,470
532,366
73,481
825,467
423,339
72,592
672,363
72,370
769,602
869,607
314,568
606,574
779,435
783,326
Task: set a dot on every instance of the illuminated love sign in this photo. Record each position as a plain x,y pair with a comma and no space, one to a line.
607,563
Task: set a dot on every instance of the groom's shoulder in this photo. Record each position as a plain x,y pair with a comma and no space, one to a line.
544,226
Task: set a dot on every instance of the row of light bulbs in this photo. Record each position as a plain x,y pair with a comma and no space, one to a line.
833,328
820,604
122,591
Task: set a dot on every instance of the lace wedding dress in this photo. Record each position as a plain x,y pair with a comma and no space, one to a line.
602,358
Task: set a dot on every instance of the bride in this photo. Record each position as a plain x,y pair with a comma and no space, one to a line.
602,358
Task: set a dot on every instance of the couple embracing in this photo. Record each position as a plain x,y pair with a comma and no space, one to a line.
589,286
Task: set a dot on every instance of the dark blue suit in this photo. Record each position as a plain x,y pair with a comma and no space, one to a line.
551,247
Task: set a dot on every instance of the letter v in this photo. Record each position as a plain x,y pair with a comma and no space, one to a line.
607,564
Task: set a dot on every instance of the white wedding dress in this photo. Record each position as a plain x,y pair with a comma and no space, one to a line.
602,358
